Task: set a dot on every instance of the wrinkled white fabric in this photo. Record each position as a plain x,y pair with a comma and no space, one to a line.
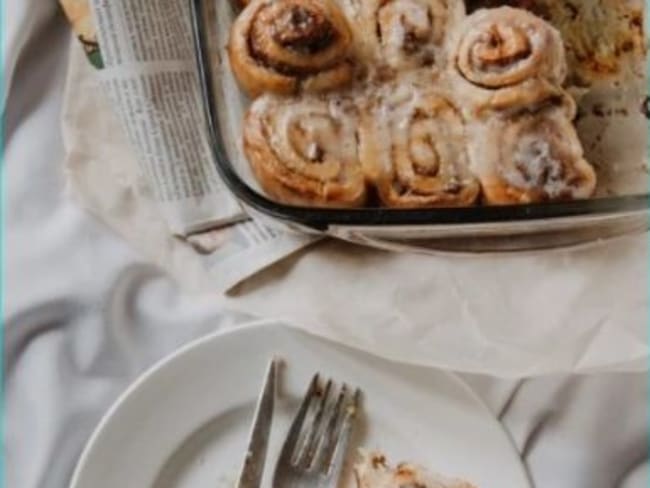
84,315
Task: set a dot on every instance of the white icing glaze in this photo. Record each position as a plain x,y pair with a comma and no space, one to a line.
407,34
314,138
537,168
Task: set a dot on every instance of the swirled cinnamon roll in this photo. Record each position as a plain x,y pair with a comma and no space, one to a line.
283,46
412,147
303,151
407,34
604,39
506,58
531,157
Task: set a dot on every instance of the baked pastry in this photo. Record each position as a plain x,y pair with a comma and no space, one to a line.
604,39
406,34
286,46
374,472
506,58
461,109
507,68
79,14
531,157
412,145
303,150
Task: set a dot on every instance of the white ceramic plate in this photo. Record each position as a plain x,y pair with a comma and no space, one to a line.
185,423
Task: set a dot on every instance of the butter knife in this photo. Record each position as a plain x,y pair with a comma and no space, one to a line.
255,458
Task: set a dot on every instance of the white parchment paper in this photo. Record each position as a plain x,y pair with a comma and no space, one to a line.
581,311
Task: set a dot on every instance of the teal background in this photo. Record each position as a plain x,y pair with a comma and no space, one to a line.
2,243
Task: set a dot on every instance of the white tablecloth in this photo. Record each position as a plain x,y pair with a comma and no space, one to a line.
84,315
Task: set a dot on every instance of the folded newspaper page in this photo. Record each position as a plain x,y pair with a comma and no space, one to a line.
142,58
150,76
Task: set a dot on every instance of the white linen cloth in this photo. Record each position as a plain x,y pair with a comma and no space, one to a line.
84,316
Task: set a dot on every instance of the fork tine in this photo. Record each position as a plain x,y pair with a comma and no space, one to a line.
291,440
307,450
329,432
334,464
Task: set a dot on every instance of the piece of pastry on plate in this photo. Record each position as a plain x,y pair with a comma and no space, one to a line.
403,34
303,150
531,156
374,472
413,148
505,58
287,46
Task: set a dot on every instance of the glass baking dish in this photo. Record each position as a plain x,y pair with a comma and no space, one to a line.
471,229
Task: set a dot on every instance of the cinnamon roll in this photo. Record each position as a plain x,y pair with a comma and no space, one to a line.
412,146
407,34
604,39
304,151
282,46
531,157
506,58
374,471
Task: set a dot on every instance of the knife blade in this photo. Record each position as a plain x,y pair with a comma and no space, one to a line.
254,460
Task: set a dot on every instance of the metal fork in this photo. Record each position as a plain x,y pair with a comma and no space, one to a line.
314,450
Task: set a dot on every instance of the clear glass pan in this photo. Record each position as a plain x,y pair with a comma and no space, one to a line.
472,229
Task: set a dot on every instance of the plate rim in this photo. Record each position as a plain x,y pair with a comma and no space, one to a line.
143,377
248,326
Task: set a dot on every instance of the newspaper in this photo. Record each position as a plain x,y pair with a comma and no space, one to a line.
151,78
142,52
